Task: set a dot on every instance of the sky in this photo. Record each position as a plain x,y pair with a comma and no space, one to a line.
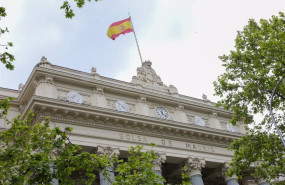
182,38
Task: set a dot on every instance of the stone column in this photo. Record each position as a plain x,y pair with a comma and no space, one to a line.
109,151
229,180
262,182
195,166
161,157
54,181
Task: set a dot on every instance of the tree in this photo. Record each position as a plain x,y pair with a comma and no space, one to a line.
33,153
252,71
138,169
5,57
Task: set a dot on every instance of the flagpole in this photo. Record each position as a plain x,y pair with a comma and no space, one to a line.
136,39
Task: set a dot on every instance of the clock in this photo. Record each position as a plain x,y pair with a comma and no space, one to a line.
122,106
199,121
230,127
161,112
74,97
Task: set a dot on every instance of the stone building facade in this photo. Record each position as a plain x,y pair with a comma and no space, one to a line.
109,116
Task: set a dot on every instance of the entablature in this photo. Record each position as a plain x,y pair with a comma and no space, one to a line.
92,116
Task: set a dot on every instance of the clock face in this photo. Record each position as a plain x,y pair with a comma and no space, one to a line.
74,97
199,121
122,106
161,112
230,127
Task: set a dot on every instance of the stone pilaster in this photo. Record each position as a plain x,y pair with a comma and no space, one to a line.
109,152
229,180
98,98
194,166
161,157
44,86
180,114
142,106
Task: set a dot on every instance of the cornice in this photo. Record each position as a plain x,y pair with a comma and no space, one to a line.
97,117
112,85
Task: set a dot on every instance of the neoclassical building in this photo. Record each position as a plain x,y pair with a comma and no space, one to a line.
109,116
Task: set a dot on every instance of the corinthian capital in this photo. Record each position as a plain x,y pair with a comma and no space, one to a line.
108,151
195,165
224,169
161,157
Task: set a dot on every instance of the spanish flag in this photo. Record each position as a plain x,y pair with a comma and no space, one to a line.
120,27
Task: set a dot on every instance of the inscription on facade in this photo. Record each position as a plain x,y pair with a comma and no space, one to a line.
165,142
199,147
135,138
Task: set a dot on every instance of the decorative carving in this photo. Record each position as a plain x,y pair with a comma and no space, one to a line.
224,168
199,121
94,73
172,90
204,97
142,99
112,104
20,87
195,165
161,157
99,90
44,63
180,108
108,151
74,97
230,127
22,107
147,74
93,70
44,79
86,103
63,98
147,78
122,106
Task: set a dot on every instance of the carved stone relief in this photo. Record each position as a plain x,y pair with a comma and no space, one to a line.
161,158
111,104
231,128
199,121
147,78
74,97
195,165
44,79
107,150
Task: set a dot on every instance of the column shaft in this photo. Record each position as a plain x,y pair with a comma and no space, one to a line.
197,180
232,182
158,172
109,178
264,183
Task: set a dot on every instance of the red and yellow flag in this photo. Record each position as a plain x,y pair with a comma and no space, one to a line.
120,27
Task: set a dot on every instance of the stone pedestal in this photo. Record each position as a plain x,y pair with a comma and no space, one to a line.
194,166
